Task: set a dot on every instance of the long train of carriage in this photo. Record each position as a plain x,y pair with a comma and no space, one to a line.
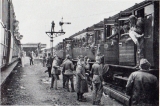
10,39
120,56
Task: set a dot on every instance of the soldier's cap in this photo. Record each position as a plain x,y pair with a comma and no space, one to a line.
88,60
132,17
68,56
98,53
98,59
144,62
81,56
85,57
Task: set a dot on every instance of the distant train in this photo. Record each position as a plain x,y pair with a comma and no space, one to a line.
10,37
107,37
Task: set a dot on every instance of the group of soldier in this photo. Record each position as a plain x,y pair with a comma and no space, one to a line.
141,84
86,77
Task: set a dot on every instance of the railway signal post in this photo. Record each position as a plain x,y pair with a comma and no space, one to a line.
52,32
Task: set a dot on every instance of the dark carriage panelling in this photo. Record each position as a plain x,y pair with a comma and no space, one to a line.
59,53
127,54
76,52
149,24
90,54
68,52
111,52
83,51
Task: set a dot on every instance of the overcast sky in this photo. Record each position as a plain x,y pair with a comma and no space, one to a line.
35,16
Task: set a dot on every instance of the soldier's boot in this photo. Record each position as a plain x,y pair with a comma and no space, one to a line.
98,102
82,99
78,96
72,86
52,82
94,103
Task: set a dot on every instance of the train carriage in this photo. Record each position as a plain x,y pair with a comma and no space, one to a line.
117,75
10,37
109,36
67,47
59,50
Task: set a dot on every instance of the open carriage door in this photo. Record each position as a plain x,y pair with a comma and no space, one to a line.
67,47
148,16
99,35
111,41
127,50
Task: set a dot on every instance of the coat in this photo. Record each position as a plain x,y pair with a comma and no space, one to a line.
55,66
142,87
81,82
49,62
97,72
67,67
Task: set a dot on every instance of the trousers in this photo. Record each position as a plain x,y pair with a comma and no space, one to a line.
31,61
64,81
69,77
49,71
97,91
54,81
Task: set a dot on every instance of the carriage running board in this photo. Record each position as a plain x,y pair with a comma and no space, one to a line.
119,96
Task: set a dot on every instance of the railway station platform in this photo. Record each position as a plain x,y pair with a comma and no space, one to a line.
6,72
32,87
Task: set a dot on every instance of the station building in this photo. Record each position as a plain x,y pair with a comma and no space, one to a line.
29,47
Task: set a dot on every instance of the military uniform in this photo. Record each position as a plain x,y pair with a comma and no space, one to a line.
136,33
49,65
142,87
97,71
68,68
54,73
81,82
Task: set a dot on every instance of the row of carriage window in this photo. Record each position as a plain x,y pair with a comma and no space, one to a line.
89,40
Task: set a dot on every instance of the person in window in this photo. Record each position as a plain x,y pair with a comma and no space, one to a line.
136,34
115,32
68,47
142,86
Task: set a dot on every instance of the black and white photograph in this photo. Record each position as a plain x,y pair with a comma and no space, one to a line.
79,52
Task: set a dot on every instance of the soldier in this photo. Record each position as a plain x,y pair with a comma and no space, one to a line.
44,59
64,77
49,64
68,68
54,72
97,71
87,69
136,34
142,86
81,82
22,57
31,58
